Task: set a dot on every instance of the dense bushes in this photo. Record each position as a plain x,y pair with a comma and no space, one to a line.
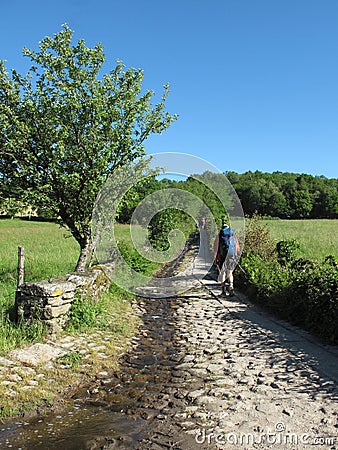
165,225
312,297
301,291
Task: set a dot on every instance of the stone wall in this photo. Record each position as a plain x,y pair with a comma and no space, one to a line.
50,300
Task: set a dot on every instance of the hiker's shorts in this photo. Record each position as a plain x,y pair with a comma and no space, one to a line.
228,264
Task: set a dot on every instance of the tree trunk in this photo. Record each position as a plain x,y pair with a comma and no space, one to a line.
85,256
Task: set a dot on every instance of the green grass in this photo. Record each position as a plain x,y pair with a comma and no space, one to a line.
49,251
106,313
318,237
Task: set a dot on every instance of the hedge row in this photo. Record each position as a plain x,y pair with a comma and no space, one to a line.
301,291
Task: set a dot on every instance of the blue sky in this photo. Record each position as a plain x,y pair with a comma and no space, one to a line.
254,82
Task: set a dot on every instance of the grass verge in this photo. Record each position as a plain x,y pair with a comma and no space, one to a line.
50,251
94,345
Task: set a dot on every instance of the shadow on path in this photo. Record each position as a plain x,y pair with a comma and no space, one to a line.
305,350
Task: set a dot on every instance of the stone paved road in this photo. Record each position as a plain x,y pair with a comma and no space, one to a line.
245,381
208,372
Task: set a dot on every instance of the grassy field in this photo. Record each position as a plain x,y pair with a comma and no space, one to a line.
318,238
51,251
48,253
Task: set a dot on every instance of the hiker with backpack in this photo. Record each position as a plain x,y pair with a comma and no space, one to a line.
226,248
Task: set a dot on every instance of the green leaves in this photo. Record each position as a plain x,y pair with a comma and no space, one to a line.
300,290
287,251
64,128
286,195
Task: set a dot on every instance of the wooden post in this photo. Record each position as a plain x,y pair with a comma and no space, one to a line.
21,265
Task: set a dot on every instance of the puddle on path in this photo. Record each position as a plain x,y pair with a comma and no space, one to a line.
73,430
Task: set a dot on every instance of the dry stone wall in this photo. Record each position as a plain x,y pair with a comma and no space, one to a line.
50,300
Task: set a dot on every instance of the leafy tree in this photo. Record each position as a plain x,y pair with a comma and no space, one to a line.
166,221
286,195
326,202
213,191
64,130
278,205
302,204
134,196
11,207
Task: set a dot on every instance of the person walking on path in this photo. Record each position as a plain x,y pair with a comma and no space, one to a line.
226,248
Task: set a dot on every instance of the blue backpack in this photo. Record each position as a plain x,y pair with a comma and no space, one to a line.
227,242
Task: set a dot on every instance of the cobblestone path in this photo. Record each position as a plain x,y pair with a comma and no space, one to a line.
211,372
245,381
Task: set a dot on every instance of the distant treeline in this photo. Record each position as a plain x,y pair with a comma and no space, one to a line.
278,194
286,195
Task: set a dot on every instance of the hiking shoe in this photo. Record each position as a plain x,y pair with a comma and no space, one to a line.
224,292
231,291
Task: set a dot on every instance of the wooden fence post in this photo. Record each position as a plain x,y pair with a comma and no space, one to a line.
21,265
